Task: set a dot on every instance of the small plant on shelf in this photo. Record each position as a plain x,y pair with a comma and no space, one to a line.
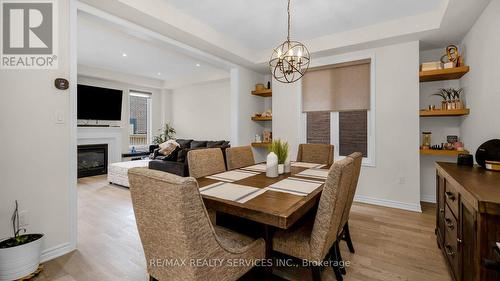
280,148
451,98
167,132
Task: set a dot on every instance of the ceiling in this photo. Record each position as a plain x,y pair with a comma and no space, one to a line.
103,45
262,24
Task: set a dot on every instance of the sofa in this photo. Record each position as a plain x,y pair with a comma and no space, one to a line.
176,163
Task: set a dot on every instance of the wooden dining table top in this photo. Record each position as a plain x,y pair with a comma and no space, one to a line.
274,208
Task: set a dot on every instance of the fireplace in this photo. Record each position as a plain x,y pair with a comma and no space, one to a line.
92,160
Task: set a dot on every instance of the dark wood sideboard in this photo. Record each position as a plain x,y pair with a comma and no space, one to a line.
468,219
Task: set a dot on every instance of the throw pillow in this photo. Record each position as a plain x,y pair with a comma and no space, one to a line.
168,147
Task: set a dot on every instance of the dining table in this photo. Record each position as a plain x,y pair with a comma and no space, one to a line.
276,203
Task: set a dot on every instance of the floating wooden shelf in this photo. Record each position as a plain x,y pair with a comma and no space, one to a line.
263,93
452,153
444,112
261,144
256,118
443,74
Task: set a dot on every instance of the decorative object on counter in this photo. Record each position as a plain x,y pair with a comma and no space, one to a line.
19,255
167,132
452,58
259,87
451,98
290,60
488,153
267,136
452,139
433,65
272,165
426,140
280,148
258,138
465,160
459,146
267,113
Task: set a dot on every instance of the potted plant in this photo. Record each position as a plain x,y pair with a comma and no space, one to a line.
167,132
280,148
451,98
19,255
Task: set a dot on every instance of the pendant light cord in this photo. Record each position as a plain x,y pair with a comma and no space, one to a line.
288,10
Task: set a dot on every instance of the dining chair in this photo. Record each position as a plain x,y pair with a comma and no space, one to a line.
238,157
344,232
314,240
204,162
175,230
315,153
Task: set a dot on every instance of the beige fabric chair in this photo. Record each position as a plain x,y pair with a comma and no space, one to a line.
204,162
344,230
173,226
315,153
313,240
238,157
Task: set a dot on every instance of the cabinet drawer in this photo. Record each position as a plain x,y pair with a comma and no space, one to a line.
451,197
450,241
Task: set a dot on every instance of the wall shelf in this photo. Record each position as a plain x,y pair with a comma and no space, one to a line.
444,112
443,74
436,152
261,144
256,118
263,93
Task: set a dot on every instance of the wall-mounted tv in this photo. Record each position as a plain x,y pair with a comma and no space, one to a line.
95,103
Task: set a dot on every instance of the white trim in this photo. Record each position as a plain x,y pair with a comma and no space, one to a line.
429,198
369,161
57,251
388,203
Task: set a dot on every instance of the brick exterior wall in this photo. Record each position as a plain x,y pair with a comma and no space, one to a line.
139,114
353,132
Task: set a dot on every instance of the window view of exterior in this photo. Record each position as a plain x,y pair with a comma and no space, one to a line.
140,131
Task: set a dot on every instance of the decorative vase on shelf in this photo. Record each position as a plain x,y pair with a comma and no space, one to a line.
288,164
272,165
281,168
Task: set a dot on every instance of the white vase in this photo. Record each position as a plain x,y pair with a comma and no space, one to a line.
281,169
288,164
20,261
272,165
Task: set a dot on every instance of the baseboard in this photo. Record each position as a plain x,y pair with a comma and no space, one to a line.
56,251
388,203
428,198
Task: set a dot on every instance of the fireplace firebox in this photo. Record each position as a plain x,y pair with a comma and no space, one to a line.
92,160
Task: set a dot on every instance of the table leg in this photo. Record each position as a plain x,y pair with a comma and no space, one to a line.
268,237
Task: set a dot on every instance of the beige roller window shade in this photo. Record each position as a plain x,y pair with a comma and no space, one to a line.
341,87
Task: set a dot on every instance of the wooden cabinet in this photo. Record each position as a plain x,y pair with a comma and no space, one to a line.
467,219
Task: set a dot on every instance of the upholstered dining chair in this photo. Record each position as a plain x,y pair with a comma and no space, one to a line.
204,162
313,240
238,157
175,229
315,153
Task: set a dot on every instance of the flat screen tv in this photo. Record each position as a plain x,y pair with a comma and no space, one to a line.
95,103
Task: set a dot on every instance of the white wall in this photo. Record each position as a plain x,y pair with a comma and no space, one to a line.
202,111
156,104
35,162
395,180
482,82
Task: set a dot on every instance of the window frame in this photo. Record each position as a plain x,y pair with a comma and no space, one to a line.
148,96
370,160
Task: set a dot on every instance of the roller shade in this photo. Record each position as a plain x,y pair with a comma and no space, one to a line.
341,87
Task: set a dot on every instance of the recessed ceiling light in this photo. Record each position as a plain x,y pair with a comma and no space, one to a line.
124,55
198,65
159,73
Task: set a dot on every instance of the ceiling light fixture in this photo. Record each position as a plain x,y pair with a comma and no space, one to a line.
159,73
290,60
124,55
198,65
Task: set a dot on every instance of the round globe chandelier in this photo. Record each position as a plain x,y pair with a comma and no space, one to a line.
290,60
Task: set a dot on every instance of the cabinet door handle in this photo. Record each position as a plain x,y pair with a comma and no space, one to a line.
459,241
441,210
449,250
450,195
449,223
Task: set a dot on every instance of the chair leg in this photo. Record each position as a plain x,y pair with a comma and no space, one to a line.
339,255
334,260
316,273
151,278
347,237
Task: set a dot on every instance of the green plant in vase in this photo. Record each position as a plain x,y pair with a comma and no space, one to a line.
167,132
280,148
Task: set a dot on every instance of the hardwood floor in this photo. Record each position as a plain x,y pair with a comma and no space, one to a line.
390,244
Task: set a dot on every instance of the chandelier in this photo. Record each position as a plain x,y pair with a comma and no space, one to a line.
290,60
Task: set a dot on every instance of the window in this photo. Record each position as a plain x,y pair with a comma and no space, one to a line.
140,119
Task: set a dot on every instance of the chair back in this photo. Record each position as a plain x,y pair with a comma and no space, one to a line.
331,207
204,162
172,221
238,157
358,158
315,153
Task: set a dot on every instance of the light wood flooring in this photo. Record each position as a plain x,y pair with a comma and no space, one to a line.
390,244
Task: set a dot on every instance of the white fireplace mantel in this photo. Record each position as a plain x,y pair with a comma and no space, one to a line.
112,136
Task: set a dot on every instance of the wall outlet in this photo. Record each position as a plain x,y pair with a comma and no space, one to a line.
23,218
